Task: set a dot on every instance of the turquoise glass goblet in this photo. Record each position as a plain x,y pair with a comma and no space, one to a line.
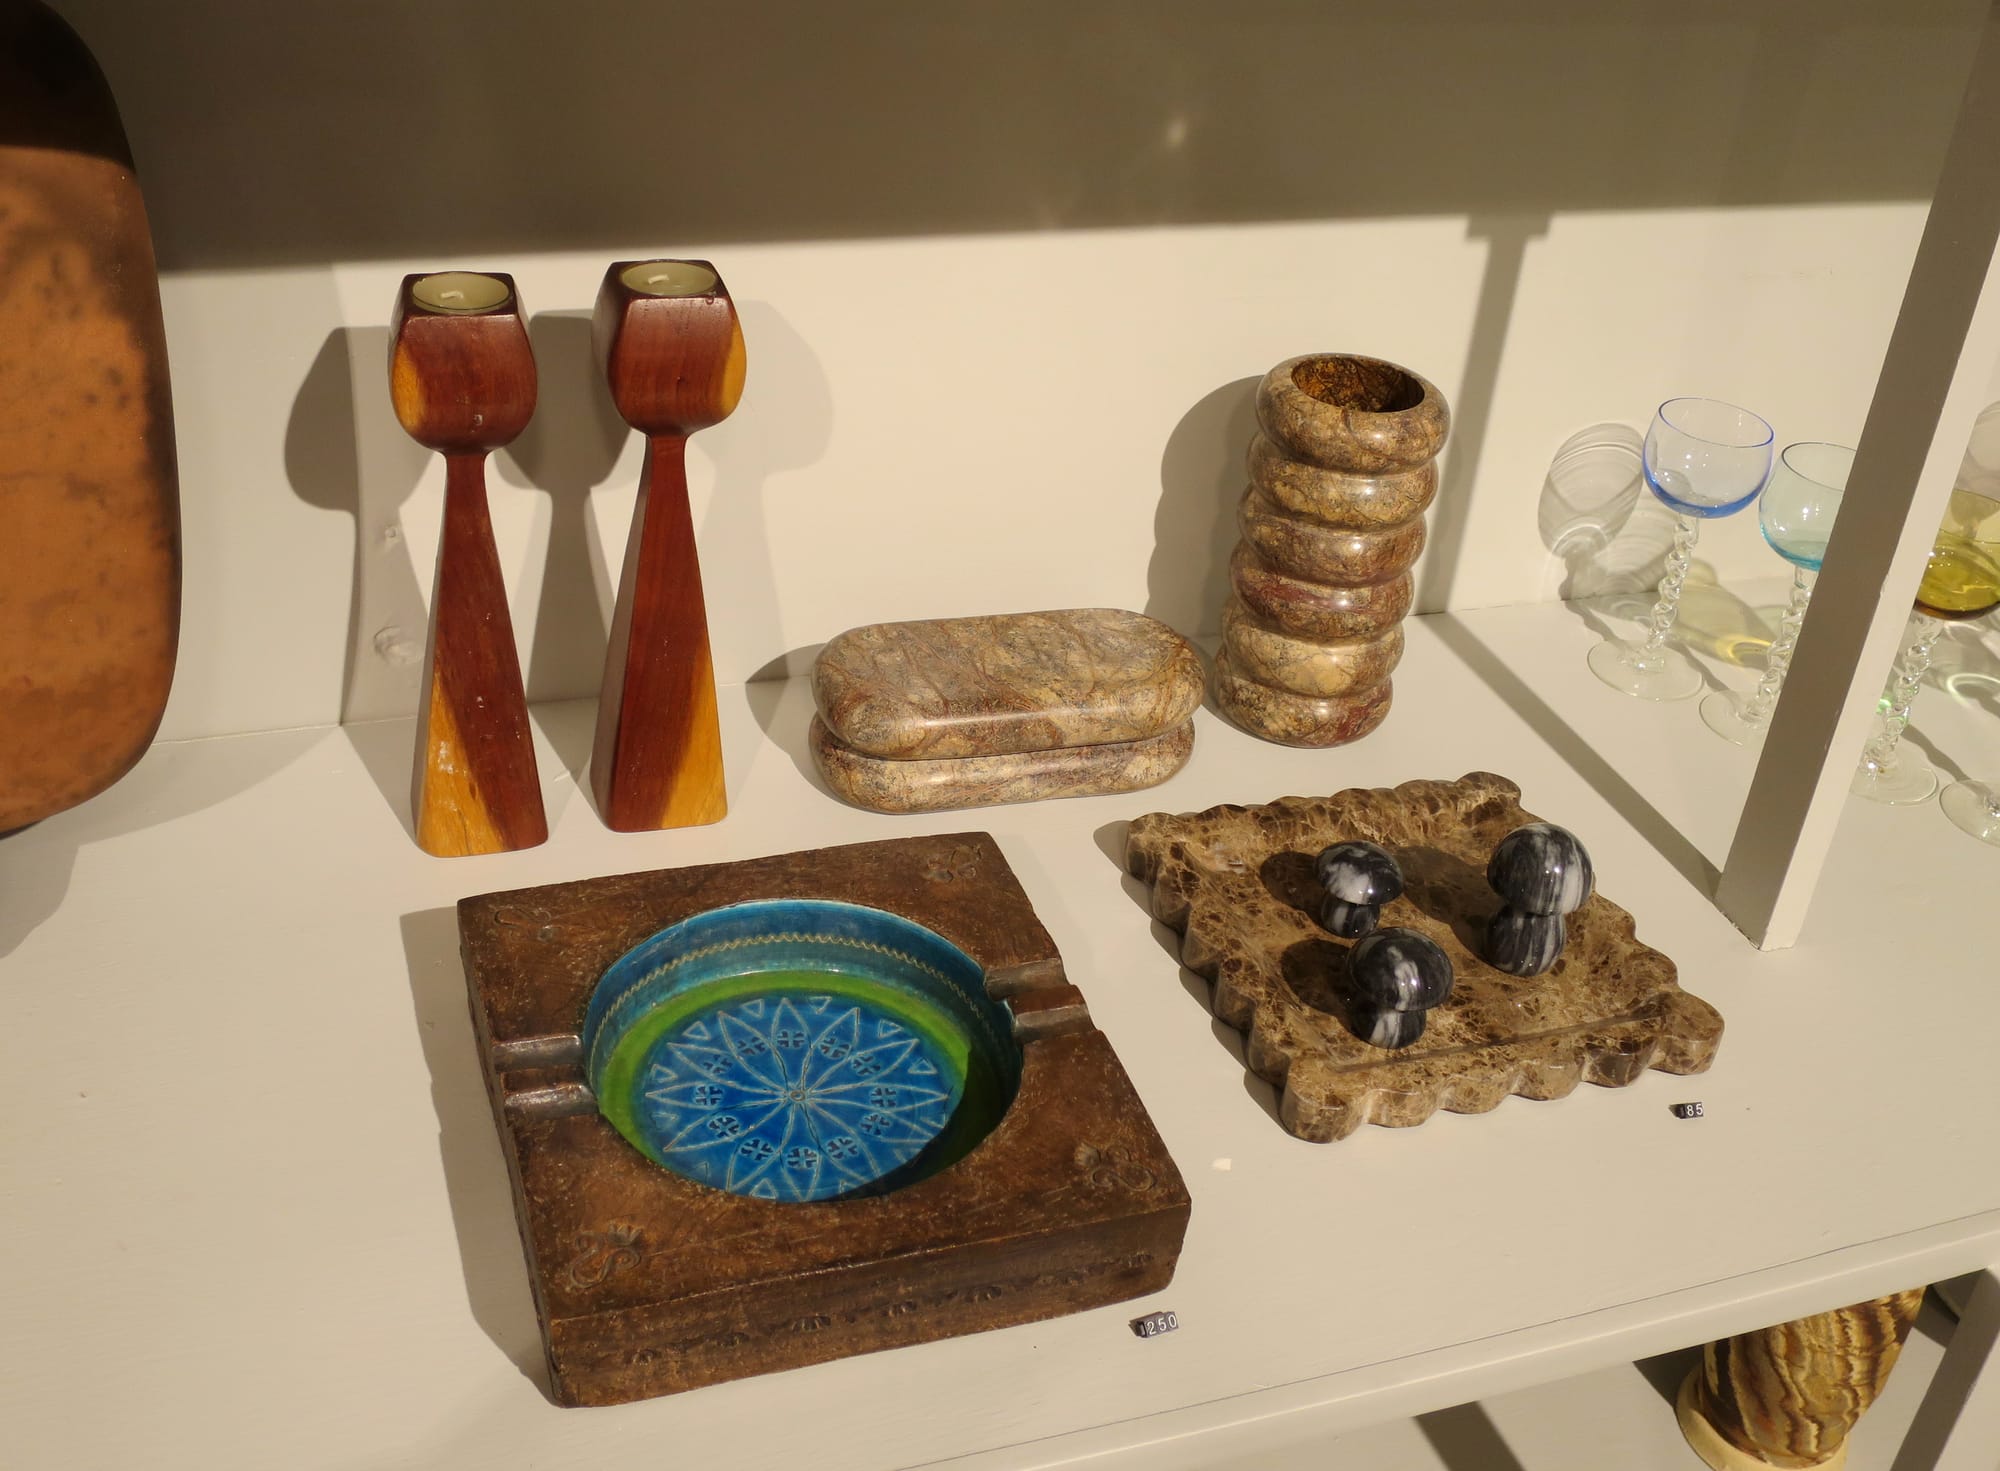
1796,515
1704,458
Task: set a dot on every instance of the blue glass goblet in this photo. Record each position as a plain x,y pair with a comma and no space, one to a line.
1796,516
1703,458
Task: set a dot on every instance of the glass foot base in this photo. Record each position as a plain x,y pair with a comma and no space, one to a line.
1650,674
1975,807
1722,712
1903,785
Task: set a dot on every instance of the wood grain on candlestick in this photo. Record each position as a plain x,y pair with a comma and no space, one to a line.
464,384
675,365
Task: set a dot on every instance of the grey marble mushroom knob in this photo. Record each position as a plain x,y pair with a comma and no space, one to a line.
1523,944
1359,879
1390,1028
1399,970
1540,869
1394,976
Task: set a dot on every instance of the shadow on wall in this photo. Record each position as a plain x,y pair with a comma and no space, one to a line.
570,447
324,461
1596,516
1202,477
896,117
345,453
1612,536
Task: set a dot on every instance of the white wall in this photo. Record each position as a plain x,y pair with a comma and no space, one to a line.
965,425
1007,271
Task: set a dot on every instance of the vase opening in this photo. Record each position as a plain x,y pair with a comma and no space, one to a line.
1358,383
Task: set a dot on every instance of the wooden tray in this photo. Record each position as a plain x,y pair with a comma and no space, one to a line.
1238,884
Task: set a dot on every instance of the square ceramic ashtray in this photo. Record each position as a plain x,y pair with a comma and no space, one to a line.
763,1114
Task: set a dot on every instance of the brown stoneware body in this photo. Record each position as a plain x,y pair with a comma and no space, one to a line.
673,357
90,557
1341,471
463,383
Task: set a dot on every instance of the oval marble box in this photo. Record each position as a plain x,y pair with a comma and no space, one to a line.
968,712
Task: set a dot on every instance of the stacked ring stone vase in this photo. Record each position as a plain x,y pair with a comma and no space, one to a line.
1341,470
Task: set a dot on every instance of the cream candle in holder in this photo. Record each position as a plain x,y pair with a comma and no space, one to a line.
669,278
460,291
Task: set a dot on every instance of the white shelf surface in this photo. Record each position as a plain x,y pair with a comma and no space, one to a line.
255,1210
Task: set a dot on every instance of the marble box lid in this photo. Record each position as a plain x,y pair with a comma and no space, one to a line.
1007,683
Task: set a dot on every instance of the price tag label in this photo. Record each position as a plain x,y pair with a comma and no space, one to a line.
1154,1324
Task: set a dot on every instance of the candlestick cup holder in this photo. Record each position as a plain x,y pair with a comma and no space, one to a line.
672,352
462,380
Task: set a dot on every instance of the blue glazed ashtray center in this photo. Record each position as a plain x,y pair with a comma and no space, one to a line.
799,1049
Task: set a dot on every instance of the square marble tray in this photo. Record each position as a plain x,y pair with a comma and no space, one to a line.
1238,884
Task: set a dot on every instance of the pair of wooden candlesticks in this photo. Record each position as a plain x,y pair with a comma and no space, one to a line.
462,377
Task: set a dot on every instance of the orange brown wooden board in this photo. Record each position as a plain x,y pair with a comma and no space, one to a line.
89,496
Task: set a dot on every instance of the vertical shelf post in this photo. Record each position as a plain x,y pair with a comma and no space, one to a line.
1934,378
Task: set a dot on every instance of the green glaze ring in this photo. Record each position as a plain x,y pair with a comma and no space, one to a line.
794,1049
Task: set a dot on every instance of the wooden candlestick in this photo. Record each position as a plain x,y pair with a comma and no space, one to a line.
672,352
462,377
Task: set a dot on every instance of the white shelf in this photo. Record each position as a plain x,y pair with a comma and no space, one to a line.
255,1202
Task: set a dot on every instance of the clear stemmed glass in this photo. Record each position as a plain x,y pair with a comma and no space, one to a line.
1961,581
1703,458
1796,516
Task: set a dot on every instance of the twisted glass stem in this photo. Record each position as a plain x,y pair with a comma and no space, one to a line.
1879,755
1686,530
1757,709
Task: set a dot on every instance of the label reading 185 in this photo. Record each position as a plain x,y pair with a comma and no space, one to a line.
1154,1324
1687,1110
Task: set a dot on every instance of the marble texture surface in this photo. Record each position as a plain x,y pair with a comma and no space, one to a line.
1238,885
1294,719
1331,555
1522,944
1304,666
1003,685
1399,970
1541,869
1359,878
1308,610
991,781
1338,498
1342,411
1340,472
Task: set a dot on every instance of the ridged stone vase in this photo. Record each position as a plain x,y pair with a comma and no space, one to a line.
1340,473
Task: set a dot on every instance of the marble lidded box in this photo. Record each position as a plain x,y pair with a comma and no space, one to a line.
970,712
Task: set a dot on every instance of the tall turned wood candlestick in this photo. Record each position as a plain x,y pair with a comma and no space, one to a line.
1789,1396
1332,521
672,351
462,377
